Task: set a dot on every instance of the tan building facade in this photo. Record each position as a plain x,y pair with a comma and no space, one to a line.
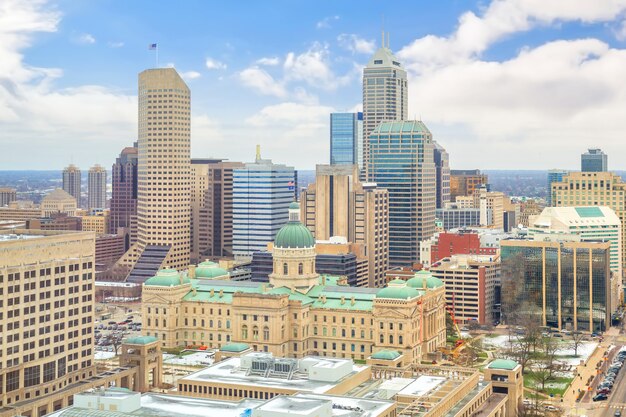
464,182
338,204
98,223
58,201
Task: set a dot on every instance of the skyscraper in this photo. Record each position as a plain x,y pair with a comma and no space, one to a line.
71,182
163,201
262,192
385,95
7,195
442,168
338,204
124,193
554,175
97,187
346,139
594,160
463,182
402,161
212,208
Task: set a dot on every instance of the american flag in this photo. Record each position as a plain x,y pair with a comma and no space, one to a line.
152,46
291,185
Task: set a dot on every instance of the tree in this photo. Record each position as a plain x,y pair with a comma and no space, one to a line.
577,339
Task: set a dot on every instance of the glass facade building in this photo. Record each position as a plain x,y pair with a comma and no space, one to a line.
402,161
554,175
346,139
594,160
565,284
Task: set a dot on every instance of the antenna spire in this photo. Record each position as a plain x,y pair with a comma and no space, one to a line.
258,152
382,30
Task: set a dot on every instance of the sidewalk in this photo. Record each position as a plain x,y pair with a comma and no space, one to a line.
583,373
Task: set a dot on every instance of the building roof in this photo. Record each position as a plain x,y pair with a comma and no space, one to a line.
386,354
423,279
210,269
505,364
235,347
401,293
383,57
404,127
565,218
58,194
168,278
140,340
294,235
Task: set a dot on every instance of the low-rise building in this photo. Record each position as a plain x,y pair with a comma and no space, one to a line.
58,201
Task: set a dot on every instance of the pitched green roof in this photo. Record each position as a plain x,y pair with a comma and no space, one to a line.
294,235
234,347
140,340
426,277
397,281
400,293
210,270
385,354
294,206
589,211
168,278
505,364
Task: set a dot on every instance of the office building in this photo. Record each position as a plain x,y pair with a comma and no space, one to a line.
528,210
72,182
346,139
494,201
96,222
338,204
47,313
463,182
594,160
55,221
212,208
163,183
442,168
58,201
385,95
97,188
459,242
123,214
563,283
454,217
472,286
7,195
262,192
582,189
554,175
401,160
342,321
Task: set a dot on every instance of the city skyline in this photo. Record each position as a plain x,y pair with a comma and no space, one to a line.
473,81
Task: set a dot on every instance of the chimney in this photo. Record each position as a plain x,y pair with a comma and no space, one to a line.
221,293
212,293
352,301
343,300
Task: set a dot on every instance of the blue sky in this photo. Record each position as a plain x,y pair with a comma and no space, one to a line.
495,81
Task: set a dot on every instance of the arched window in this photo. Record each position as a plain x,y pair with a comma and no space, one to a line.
400,339
323,331
300,269
244,332
382,338
194,322
391,339
266,333
334,331
219,324
228,324
255,333
202,322
210,323
285,269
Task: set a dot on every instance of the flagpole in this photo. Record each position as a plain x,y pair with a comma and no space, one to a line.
157,55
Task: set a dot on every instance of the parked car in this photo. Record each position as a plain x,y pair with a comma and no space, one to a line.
600,397
618,413
604,391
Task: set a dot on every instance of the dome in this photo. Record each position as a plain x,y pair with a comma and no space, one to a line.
398,282
167,278
386,354
294,206
418,280
210,270
294,235
400,293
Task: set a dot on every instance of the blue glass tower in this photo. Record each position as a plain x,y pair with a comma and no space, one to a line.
554,175
346,139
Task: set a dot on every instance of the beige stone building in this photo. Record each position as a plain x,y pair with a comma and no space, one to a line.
465,182
98,222
299,313
163,201
338,204
58,201
212,208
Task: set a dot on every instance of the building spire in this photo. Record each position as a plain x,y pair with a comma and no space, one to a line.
258,153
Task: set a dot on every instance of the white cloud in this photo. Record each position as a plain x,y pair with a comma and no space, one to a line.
313,68
260,80
85,39
268,61
620,32
115,44
356,44
538,109
326,22
190,75
214,64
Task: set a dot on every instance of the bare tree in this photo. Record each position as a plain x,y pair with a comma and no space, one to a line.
578,338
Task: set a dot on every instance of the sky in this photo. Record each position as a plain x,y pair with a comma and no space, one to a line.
501,84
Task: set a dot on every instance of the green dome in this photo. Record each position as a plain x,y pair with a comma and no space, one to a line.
418,280
401,293
210,270
294,206
397,282
140,340
167,278
385,354
234,347
294,235
505,364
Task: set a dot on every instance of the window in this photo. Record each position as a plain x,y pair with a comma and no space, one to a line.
31,376
300,269
285,269
255,333
266,333
244,332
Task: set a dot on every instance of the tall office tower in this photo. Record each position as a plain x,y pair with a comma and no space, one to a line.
338,204
71,182
442,168
212,208
346,139
97,188
554,175
594,160
262,192
494,201
385,95
402,161
123,212
593,189
7,195
463,182
163,184
47,315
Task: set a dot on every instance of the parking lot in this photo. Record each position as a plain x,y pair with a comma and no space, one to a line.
115,323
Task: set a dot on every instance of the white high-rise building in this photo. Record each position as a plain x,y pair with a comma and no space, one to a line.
385,94
164,164
97,187
262,192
